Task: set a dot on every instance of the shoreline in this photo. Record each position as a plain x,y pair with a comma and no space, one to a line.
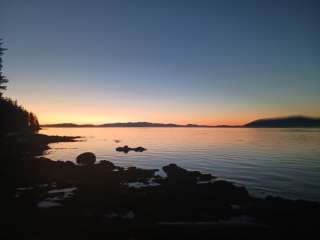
103,194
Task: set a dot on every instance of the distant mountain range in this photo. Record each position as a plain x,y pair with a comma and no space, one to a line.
285,122
127,124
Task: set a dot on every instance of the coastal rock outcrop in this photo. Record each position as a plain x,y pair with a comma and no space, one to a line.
179,174
127,149
86,158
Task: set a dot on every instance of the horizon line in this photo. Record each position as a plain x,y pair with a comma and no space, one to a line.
170,124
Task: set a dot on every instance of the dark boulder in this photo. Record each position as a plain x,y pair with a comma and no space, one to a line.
124,149
69,164
127,149
138,174
177,175
228,192
205,177
180,177
139,149
173,170
106,165
87,158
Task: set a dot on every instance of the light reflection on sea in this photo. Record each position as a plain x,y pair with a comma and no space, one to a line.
284,162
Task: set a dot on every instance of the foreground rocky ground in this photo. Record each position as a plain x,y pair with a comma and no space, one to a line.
61,200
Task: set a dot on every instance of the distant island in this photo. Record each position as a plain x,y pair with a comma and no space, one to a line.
283,122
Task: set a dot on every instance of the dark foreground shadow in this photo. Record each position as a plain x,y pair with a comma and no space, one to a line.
47,199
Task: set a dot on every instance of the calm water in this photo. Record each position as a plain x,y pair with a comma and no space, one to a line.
284,162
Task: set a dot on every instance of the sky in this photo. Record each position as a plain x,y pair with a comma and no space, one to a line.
204,62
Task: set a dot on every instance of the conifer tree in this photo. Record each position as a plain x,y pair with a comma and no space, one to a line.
3,79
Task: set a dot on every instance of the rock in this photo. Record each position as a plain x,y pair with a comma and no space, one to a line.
173,170
124,149
177,174
69,164
137,174
139,149
182,177
227,191
87,158
127,149
106,165
205,177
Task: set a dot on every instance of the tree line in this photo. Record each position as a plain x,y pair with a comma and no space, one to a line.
13,117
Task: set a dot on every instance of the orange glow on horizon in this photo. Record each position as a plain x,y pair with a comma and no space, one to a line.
102,119
100,113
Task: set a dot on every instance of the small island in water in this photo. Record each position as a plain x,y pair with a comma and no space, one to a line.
285,122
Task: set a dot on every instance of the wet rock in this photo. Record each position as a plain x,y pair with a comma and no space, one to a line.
127,149
178,174
138,174
48,204
69,163
124,149
105,165
87,158
286,214
228,192
150,183
139,149
205,177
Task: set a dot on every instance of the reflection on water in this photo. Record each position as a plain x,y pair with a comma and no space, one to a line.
283,162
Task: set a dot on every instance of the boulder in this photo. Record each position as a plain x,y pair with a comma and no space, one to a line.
127,149
87,158
124,149
228,192
176,174
139,149
106,165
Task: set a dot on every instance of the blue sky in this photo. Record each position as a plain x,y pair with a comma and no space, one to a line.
164,61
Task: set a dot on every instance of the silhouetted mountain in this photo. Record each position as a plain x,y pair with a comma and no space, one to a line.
294,121
226,126
127,124
68,125
140,124
285,122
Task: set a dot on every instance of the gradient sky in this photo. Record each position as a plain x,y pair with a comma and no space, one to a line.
207,62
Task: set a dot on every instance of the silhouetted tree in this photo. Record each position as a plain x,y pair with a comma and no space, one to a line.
33,122
13,117
3,79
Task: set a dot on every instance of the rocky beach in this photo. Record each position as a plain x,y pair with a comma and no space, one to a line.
49,199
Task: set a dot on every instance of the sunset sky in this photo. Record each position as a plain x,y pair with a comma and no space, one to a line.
205,62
